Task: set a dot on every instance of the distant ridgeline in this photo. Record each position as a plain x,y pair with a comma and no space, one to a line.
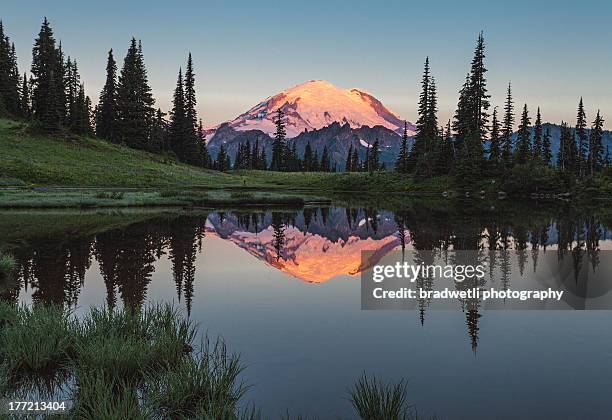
338,138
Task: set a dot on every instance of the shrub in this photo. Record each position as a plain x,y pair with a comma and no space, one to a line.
531,178
110,195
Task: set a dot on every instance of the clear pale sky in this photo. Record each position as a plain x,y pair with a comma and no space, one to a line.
552,51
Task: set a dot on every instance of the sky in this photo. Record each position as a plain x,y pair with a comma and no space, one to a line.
553,52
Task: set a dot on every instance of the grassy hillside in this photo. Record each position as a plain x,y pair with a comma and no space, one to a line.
68,160
76,161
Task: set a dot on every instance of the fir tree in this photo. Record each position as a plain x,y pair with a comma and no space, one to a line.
159,133
566,156
507,126
373,161
279,143
190,98
10,102
47,81
546,148
308,158
222,160
401,163
325,163
424,134
583,140
355,160
134,100
494,147
106,115
536,154
478,90
25,98
596,160
348,166
179,137
523,142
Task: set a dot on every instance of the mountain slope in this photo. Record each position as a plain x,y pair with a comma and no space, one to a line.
316,104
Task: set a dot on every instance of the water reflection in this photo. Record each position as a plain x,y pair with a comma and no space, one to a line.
313,245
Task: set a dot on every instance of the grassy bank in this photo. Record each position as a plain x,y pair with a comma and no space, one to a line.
99,198
137,365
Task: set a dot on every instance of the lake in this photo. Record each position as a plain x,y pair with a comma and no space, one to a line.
283,289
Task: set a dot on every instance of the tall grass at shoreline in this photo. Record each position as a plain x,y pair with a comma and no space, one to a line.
7,262
142,364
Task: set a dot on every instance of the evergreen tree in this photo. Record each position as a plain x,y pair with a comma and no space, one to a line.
478,90
25,98
325,163
159,133
355,160
106,115
566,156
523,142
190,99
134,100
536,154
222,163
507,125
9,77
279,143
401,163
179,137
47,81
424,134
373,161
315,162
494,147
596,160
546,148
583,140
462,117
348,166
308,158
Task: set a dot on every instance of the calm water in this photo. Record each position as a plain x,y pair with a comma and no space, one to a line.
283,289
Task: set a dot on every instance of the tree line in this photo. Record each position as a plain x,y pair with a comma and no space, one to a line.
474,145
460,148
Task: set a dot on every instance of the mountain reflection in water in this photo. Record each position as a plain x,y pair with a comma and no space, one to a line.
313,245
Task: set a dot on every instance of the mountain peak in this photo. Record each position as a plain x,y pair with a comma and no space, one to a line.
315,104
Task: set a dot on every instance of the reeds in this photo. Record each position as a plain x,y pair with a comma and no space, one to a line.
120,364
374,399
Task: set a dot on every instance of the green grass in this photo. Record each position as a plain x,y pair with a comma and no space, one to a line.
88,199
119,364
7,262
76,161
373,399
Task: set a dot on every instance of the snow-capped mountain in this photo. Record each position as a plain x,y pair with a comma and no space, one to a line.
316,104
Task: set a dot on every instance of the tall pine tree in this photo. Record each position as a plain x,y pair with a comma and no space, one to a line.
536,153
106,114
134,100
507,128
583,140
401,163
278,145
596,160
47,80
523,141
